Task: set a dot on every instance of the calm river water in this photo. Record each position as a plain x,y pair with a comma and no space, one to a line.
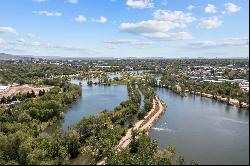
203,129
94,99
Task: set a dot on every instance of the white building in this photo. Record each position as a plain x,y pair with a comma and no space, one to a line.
244,86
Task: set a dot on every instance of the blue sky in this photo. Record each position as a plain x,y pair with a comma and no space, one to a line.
125,28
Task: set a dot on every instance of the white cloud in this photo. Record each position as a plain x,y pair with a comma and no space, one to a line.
128,41
46,46
168,36
39,1
229,42
150,26
141,4
21,40
80,18
176,16
47,13
73,1
64,47
114,44
69,48
101,20
155,29
35,43
210,8
190,7
111,47
210,23
2,42
31,35
232,8
8,30
164,21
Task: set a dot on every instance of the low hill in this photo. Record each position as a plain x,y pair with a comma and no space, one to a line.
4,56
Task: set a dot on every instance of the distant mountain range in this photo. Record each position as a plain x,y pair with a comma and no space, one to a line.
4,56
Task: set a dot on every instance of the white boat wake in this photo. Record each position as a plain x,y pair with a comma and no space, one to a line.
235,121
163,129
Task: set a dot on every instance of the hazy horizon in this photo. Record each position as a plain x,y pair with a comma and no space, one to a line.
125,28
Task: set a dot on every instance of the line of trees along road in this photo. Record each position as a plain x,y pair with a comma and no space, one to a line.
99,135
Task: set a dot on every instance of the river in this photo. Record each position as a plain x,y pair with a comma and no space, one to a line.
94,99
202,129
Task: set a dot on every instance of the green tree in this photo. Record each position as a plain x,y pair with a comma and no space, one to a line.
73,143
180,160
